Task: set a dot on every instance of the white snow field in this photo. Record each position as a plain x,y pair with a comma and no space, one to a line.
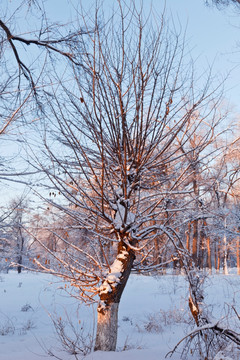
153,317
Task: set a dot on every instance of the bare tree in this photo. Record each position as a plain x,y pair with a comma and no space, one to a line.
200,152
14,241
112,153
18,237
225,202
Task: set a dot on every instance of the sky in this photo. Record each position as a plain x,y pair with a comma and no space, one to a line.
212,39
213,36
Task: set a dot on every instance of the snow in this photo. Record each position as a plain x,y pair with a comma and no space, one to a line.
153,316
113,278
105,288
122,255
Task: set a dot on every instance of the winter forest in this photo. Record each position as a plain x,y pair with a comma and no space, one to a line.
125,241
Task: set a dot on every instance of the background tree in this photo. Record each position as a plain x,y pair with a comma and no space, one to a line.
225,200
199,154
19,238
15,242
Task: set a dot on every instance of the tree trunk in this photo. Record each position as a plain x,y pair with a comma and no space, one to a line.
20,243
209,260
238,258
218,258
215,254
19,267
188,234
195,222
110,294
107,325
201,254
225,266
195,243
157,258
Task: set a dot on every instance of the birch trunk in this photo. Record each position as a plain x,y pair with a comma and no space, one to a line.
225,266
195,223
218,259
238,257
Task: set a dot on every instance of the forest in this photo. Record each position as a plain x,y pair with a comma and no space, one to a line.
129,160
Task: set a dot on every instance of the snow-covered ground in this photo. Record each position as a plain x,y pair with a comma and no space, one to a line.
153,316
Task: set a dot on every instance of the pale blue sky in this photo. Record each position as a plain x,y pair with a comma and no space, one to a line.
213,36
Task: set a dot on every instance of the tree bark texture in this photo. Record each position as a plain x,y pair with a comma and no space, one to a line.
110,295
107,325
